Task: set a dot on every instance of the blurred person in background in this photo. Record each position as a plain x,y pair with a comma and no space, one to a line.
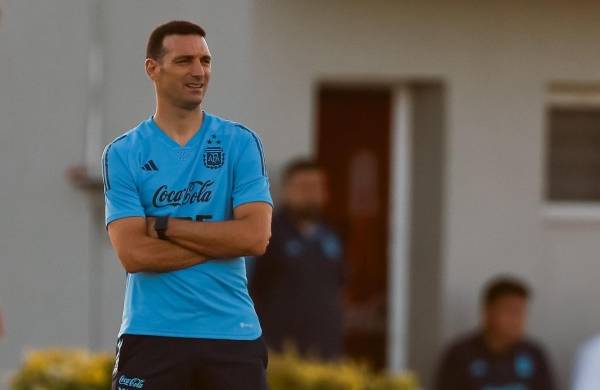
297,284
498,356
587,369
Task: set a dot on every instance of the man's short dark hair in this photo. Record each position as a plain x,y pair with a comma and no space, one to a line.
504,286
299,165
155,49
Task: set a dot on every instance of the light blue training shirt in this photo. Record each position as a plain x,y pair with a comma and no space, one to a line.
146,173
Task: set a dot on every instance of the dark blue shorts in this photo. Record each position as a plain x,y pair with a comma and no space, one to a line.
165,363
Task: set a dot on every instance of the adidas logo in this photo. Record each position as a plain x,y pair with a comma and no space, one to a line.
150,166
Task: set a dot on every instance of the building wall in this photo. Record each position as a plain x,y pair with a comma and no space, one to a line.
44,224
495,61
428,157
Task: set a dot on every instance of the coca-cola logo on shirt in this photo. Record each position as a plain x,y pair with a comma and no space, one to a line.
195,192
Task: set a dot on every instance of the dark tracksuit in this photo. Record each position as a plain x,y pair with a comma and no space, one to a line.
296,287
470,365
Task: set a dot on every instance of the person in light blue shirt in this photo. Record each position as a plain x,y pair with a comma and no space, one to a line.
587,367
187,198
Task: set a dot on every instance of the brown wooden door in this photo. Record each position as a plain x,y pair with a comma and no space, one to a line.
354,148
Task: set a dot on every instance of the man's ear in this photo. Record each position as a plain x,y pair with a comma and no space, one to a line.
151,66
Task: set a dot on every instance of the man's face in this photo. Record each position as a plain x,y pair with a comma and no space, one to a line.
182,74
305,193
506,318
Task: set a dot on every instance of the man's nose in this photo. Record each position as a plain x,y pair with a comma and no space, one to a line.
197,69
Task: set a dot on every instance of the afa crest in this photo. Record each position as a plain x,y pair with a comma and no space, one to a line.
214,157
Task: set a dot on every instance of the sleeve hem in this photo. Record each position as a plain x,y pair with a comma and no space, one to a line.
115,217
240,202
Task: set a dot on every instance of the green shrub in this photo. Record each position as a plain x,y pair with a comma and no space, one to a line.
64,369
289,372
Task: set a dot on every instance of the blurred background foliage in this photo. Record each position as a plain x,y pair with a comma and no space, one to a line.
72,369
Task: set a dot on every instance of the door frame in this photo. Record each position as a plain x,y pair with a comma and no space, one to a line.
399,229
401,151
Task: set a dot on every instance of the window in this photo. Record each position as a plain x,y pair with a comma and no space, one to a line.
573,144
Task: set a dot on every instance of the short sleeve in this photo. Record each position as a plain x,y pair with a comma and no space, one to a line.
250,180
120,192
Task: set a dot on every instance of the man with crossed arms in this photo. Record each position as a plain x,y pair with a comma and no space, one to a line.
187,197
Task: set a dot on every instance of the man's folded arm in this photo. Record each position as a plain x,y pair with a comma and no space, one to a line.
247,234
138,252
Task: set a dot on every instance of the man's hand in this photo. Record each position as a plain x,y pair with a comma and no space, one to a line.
150,231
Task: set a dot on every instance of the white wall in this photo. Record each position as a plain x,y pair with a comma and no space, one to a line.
495,60
44,224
